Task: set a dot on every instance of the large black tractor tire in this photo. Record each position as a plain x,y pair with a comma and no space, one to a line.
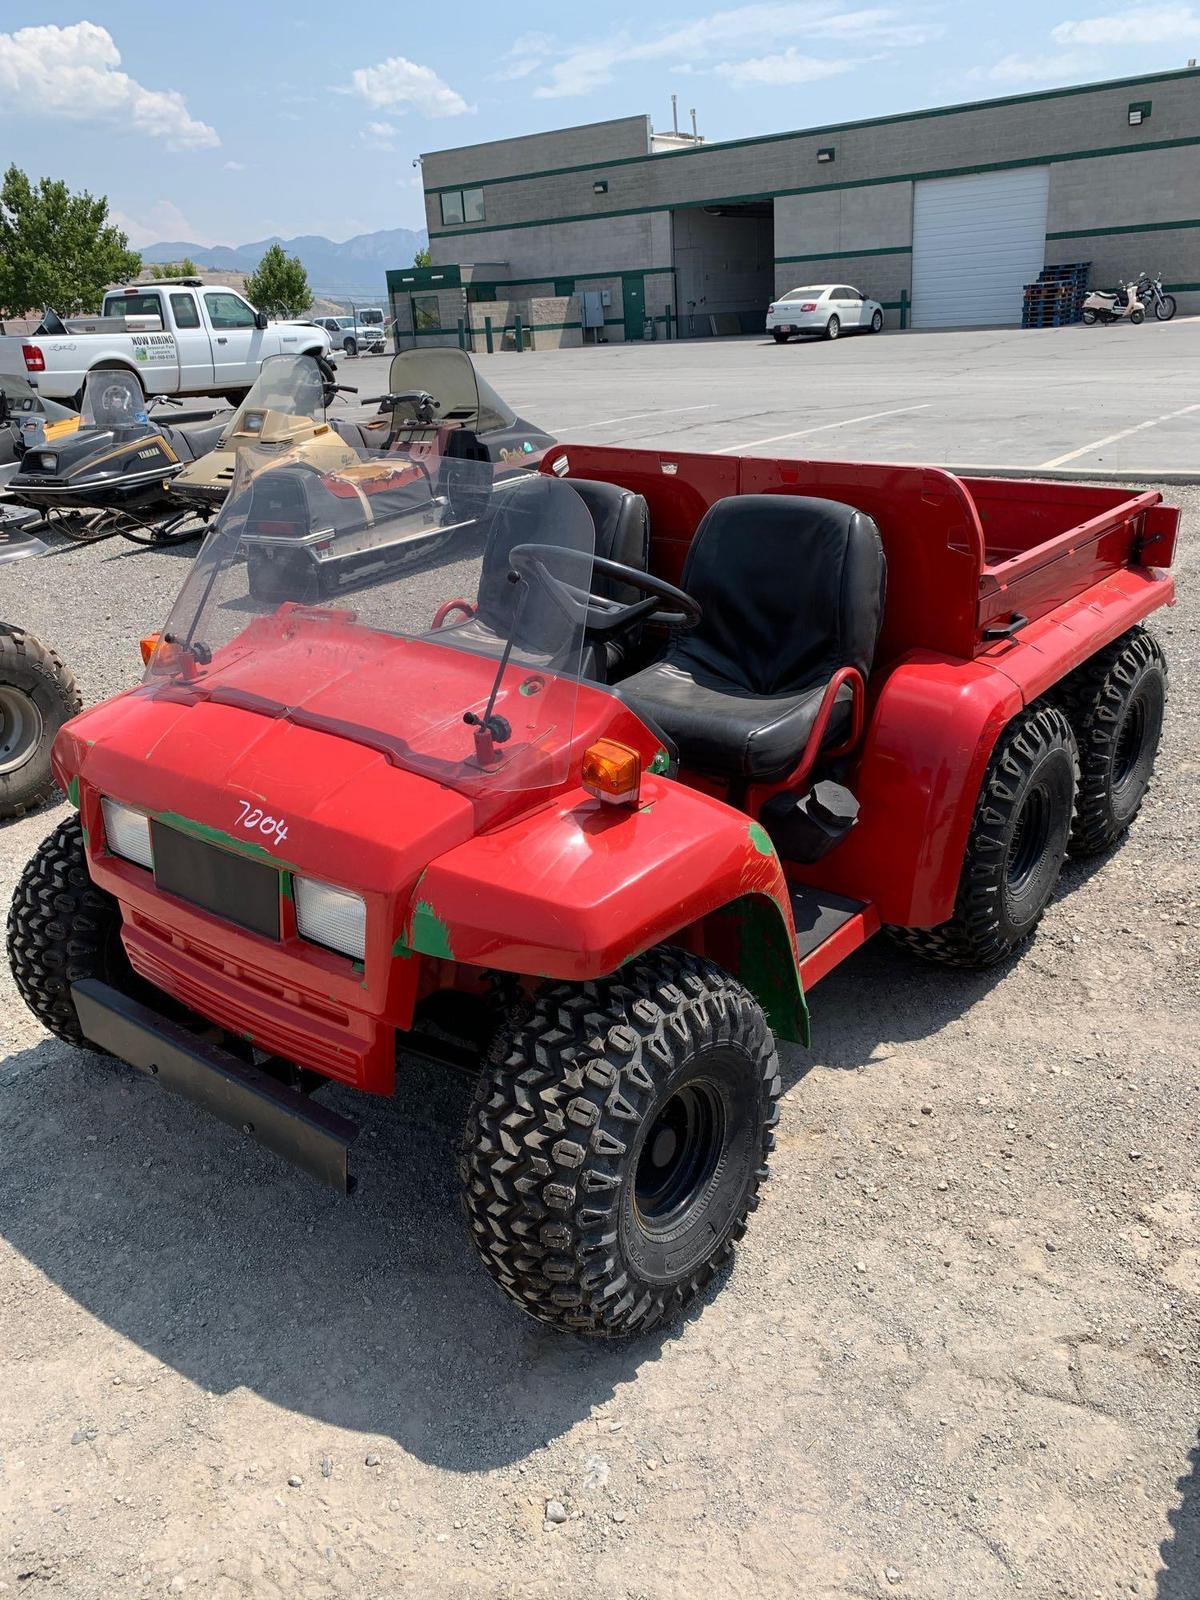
62,928
1115,703
617,1143
1016,848
37,695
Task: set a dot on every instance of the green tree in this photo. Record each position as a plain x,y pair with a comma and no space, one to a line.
423,257
57,248
280,286
186,268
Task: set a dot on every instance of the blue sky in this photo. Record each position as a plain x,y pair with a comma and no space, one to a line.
222,122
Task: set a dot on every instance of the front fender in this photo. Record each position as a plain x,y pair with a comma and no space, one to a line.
577,888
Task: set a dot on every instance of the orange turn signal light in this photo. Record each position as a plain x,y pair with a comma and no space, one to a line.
612,772
149,646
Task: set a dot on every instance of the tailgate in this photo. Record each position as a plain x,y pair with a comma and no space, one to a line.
1045,543
11,359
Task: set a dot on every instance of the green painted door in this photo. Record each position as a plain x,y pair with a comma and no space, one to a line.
633,292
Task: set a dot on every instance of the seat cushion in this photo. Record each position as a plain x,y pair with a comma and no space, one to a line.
720,728
196,439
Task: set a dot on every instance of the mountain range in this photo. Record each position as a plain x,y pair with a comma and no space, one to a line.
356,266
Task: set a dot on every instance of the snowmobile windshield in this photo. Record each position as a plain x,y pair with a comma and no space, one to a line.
293,385
407,602
113,400
463,399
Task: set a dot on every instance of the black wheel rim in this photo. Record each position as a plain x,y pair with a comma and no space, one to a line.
1131,739
1030,837
678,1157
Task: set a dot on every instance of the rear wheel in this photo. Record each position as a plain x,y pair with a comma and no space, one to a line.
1089,318
617,1143
37,695
1016,848
877,322
833,327
1115,703
62,928
76,400
779,336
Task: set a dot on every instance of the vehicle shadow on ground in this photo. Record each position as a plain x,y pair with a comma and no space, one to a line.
1179,1578
371,1313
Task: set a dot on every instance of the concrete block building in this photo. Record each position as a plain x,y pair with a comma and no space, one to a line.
610,231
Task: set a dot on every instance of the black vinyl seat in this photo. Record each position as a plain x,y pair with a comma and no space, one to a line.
792,589
197,437
622,524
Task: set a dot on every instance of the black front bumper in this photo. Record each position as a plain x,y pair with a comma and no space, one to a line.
286,1121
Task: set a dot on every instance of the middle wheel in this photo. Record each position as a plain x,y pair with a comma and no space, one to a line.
618,1141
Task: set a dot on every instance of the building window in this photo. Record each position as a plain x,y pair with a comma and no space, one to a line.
462,205
425,313
1139,112
481,291
564,286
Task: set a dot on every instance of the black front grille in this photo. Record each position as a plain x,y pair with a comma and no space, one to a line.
241,891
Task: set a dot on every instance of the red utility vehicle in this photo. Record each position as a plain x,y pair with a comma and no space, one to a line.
590,799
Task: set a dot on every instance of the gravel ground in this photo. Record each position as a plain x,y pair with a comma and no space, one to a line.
957,1355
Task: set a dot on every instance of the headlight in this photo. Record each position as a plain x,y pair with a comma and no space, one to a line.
128,833
332,917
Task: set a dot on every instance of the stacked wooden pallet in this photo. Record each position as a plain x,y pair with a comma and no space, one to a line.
1057,297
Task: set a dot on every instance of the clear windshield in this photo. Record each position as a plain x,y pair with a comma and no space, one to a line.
463,398
371,317
113,400
407,602
294,386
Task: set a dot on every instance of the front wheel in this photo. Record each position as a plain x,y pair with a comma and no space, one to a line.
62,928
1137,318
37,695
779,336
350,346
1017,845
833,327
617,1143
1164,307
877,322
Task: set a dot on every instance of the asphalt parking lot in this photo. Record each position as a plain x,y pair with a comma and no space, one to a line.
1116,399
959,1353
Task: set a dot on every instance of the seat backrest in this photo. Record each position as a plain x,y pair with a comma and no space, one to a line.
792,588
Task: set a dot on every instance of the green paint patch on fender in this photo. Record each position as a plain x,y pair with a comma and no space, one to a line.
761,839
428,933
661,762
73,792
761,957
401,951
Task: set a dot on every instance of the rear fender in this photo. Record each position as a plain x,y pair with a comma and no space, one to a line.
578,888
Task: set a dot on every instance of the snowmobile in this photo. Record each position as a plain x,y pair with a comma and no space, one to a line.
115,467
28,420
37,692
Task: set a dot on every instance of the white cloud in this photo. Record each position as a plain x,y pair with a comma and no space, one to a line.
397,83
786,66
1015,69
719,43
378,136
74,73
1146,24
162,222
235,166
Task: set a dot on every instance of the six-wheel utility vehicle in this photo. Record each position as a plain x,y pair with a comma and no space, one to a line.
590,798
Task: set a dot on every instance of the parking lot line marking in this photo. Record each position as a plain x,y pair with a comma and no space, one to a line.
732,449
665,411
1096,444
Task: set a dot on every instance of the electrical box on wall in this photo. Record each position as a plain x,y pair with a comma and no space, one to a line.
606,297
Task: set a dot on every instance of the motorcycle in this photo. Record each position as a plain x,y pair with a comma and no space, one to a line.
1151,293
114,468
1119,305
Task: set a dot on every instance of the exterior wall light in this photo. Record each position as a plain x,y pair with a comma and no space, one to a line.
600,186
826,153
1139,111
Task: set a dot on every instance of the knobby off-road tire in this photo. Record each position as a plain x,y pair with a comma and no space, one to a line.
62,928
37,695
1017,844
616,1147
1115,703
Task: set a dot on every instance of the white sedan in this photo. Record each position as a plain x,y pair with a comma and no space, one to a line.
829,309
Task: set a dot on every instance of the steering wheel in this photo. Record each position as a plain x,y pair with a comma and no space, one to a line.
600,616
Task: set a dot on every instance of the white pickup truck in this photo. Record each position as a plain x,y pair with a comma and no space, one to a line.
181,337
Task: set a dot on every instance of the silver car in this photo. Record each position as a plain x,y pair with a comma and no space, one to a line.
828,309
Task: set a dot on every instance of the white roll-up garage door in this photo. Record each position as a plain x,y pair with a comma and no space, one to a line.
977,241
